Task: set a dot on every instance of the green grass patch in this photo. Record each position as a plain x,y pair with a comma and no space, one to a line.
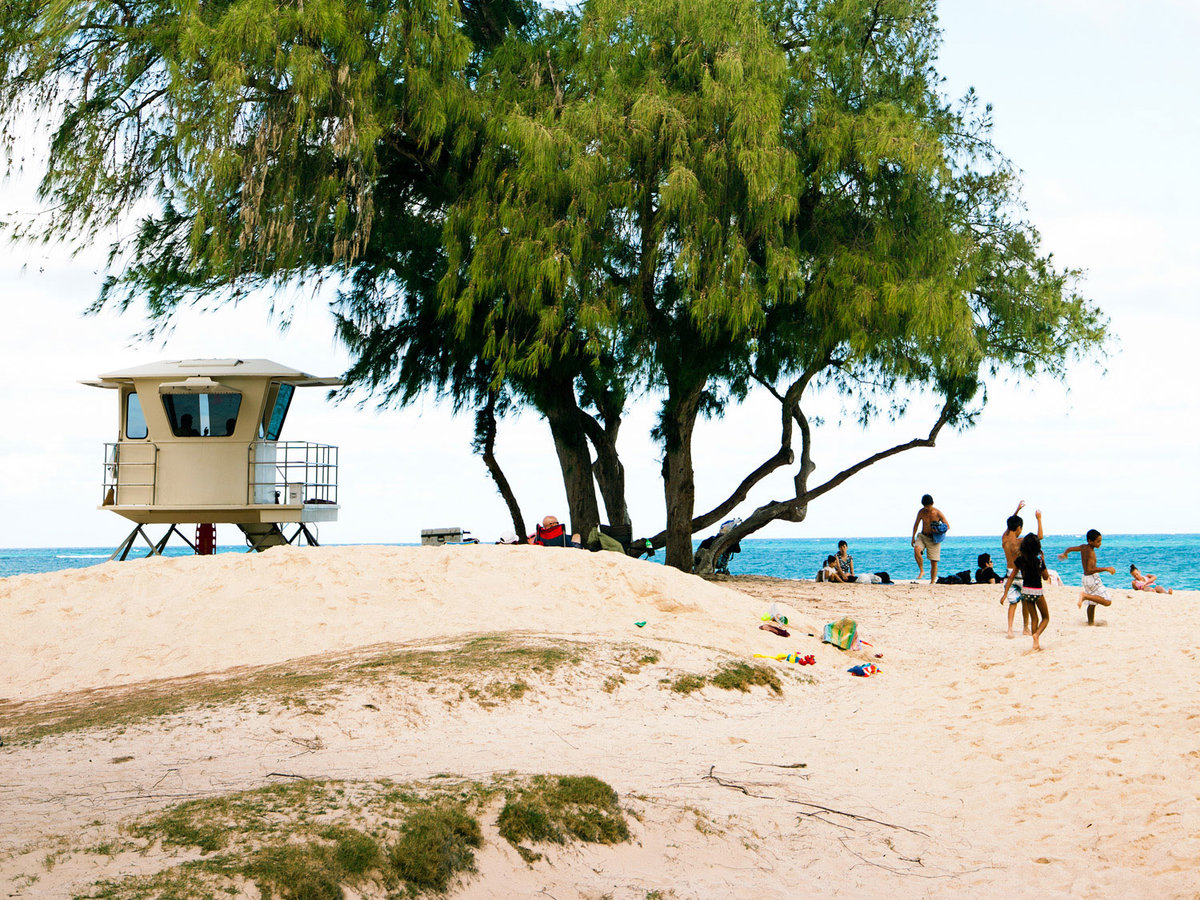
740,676
311,840
732,676
687,683
555,809
487,667
434,846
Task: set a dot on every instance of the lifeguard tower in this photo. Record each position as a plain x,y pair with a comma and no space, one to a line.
199,444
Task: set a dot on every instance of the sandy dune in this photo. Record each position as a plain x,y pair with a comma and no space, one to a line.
969,764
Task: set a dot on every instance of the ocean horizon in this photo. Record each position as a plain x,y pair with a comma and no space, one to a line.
1174,558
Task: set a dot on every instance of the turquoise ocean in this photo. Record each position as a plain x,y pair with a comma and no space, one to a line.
1175,558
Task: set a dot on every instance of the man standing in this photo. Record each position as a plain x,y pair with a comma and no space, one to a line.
933,527
1011,542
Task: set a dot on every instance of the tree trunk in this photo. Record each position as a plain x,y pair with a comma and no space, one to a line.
574,459
608,469
679,481
485,441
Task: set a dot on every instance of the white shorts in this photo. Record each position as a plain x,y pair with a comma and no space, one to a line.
1094,586
1014,592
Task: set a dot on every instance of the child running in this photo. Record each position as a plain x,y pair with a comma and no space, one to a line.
1094,592
1032,567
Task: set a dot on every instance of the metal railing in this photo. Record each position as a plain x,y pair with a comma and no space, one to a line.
129,481
292,472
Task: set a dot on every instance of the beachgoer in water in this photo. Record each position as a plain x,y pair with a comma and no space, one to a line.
1094,592
1032,566
1146,582
1010,542
932,524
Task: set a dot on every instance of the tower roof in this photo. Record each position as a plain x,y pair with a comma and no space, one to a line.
183,369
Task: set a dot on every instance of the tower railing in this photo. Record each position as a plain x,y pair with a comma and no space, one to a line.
292,472
130,474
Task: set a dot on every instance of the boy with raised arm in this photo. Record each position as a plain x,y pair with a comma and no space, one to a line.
1011,542
1093,588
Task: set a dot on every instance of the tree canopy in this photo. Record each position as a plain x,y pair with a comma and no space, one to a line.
679,199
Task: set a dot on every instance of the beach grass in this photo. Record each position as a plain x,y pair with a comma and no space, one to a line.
729,676
488,669
313,839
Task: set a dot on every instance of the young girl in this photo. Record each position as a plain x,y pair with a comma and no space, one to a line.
1032,566
1146,582
844,560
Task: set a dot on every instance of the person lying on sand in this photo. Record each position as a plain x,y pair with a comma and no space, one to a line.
1146,582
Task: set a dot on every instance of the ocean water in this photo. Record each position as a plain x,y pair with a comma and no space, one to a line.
1175,558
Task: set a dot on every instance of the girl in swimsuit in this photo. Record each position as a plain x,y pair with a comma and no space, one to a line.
1032,565
1146,582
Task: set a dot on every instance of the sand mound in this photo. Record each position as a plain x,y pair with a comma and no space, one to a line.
121,623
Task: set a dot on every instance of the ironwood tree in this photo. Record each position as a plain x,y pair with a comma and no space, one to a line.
684,200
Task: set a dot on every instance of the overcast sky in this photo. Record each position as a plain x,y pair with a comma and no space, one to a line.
1093,100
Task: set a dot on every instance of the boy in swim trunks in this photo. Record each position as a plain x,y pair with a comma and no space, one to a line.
1011,542
927,515
1094,592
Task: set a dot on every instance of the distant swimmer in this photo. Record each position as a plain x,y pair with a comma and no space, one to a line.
1094,593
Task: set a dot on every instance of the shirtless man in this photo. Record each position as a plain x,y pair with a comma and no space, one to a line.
927,516
1011,542
1094,592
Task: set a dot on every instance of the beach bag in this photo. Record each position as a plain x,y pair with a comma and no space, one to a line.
939,530
843,634
958,578
599,540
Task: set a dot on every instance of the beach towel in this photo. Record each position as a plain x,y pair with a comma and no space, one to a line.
843,634
939,530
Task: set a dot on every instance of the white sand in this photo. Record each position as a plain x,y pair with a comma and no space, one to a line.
968,765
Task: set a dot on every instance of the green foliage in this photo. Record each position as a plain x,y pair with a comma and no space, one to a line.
732,676
740,676
555,809
434,846
562,209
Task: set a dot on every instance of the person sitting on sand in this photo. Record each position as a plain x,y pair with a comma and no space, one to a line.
1146,582
551,534
985,574
832,572
1094,592
844,560
1032,565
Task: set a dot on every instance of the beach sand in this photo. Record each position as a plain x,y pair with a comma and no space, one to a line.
968,764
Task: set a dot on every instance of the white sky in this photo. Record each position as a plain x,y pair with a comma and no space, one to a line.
1092,100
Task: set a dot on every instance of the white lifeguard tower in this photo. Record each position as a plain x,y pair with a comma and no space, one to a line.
199,444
